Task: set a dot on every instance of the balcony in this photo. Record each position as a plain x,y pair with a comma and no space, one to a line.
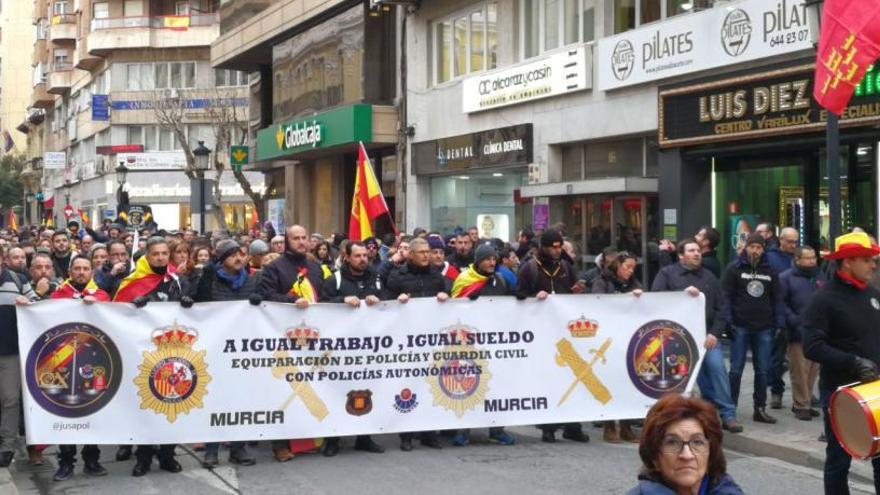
62,27
170,31
60,78
82,58
39,54
40,98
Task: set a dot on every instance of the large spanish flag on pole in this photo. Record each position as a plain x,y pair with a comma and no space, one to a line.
367,203
849,44
13,222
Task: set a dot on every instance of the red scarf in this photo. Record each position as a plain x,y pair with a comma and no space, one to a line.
858,284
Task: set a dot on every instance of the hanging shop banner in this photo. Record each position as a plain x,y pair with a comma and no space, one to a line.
758,105
493,148
736,33
110,373
560,73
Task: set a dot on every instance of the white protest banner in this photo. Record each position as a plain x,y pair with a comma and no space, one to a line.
110,373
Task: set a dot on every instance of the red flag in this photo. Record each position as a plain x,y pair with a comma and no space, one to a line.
13,223
849,44
367,203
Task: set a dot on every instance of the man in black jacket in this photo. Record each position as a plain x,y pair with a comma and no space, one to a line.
708,239
417,279
292,278
227,279
463,255
541,276
61,253
753,306
354,282
692,276
840,333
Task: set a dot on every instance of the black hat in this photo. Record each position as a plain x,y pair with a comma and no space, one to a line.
755,239
225,249
551,238
484,251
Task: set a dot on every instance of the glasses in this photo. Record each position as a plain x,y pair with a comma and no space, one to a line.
675,445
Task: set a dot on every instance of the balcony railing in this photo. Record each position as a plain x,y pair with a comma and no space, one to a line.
156,22
63,19
60,65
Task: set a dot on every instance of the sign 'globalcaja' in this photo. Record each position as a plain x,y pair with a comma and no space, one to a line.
730,34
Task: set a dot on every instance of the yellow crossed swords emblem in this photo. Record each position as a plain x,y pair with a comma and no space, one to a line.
583,370
304,390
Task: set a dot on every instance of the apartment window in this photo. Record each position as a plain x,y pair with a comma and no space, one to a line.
630,14
549,24
42,29
465,42
61,59
59,8
181,8
39,74
175,74
676,7
133,8
139,77
100,10
224,78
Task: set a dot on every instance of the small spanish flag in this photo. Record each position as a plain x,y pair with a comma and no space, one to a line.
468,282
141,281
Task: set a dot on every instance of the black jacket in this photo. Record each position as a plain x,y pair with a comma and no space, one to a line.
607,283
840,323
460,262
711,263
753,297
171,290
798,287
415,281
214,288
61,265
677,277
343,284
279,276
542,274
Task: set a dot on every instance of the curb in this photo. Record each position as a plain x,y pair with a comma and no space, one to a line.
739,442
7,485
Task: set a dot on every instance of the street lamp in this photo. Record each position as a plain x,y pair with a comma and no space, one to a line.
121,193
202,164
832,132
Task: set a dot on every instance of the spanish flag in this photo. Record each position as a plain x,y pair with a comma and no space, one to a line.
141,281
85,217
13,222
68,291
302,288
176,22
367,204
468,282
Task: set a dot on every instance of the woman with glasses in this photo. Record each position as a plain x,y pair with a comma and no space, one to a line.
681,450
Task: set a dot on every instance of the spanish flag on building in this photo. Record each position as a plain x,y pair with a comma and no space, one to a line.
368,202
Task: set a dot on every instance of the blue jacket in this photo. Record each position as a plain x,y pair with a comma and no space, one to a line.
779,261
648,486
798,287
508,275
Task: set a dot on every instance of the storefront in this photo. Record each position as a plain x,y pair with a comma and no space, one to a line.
751,148
475,180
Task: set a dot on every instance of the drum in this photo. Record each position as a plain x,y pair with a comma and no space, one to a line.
855,418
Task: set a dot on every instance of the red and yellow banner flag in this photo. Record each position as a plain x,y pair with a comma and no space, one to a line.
468,282
849,44
141,281
68,291
302,287
367,204
13,222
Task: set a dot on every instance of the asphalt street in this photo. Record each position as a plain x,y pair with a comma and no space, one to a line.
529,467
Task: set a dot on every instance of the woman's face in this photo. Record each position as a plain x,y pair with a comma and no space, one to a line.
322,251
203,256
181,256
684,468
625,270
99,257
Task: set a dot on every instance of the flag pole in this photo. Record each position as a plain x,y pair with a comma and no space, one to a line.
832,148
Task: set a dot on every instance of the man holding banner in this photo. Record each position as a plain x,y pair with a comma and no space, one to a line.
80,286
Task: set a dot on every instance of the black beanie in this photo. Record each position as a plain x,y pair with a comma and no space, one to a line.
551,238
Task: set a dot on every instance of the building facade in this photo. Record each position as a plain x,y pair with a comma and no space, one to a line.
16,31
112,81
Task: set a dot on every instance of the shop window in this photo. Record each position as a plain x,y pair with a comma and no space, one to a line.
572,163
649,11
465,42
676,7
549,24
630,14
485,200
624,158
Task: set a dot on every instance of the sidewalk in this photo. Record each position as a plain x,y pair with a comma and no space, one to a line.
790,439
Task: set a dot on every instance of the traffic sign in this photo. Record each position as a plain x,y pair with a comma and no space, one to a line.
238,156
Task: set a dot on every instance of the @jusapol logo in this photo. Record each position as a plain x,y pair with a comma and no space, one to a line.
622,60
73,370
660,358
736,32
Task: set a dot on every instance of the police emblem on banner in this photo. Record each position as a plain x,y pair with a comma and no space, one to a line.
406,401
73,370
660,358
583,369
755,288
359,402
460,374
173,379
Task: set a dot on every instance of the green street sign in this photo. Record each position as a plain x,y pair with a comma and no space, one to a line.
335,127
238,156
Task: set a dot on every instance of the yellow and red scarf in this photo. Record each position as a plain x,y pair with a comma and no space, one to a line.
141,281
302,288
68,291
468,282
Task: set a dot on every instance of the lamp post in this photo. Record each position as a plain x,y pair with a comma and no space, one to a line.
202,165
121,193
832,134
